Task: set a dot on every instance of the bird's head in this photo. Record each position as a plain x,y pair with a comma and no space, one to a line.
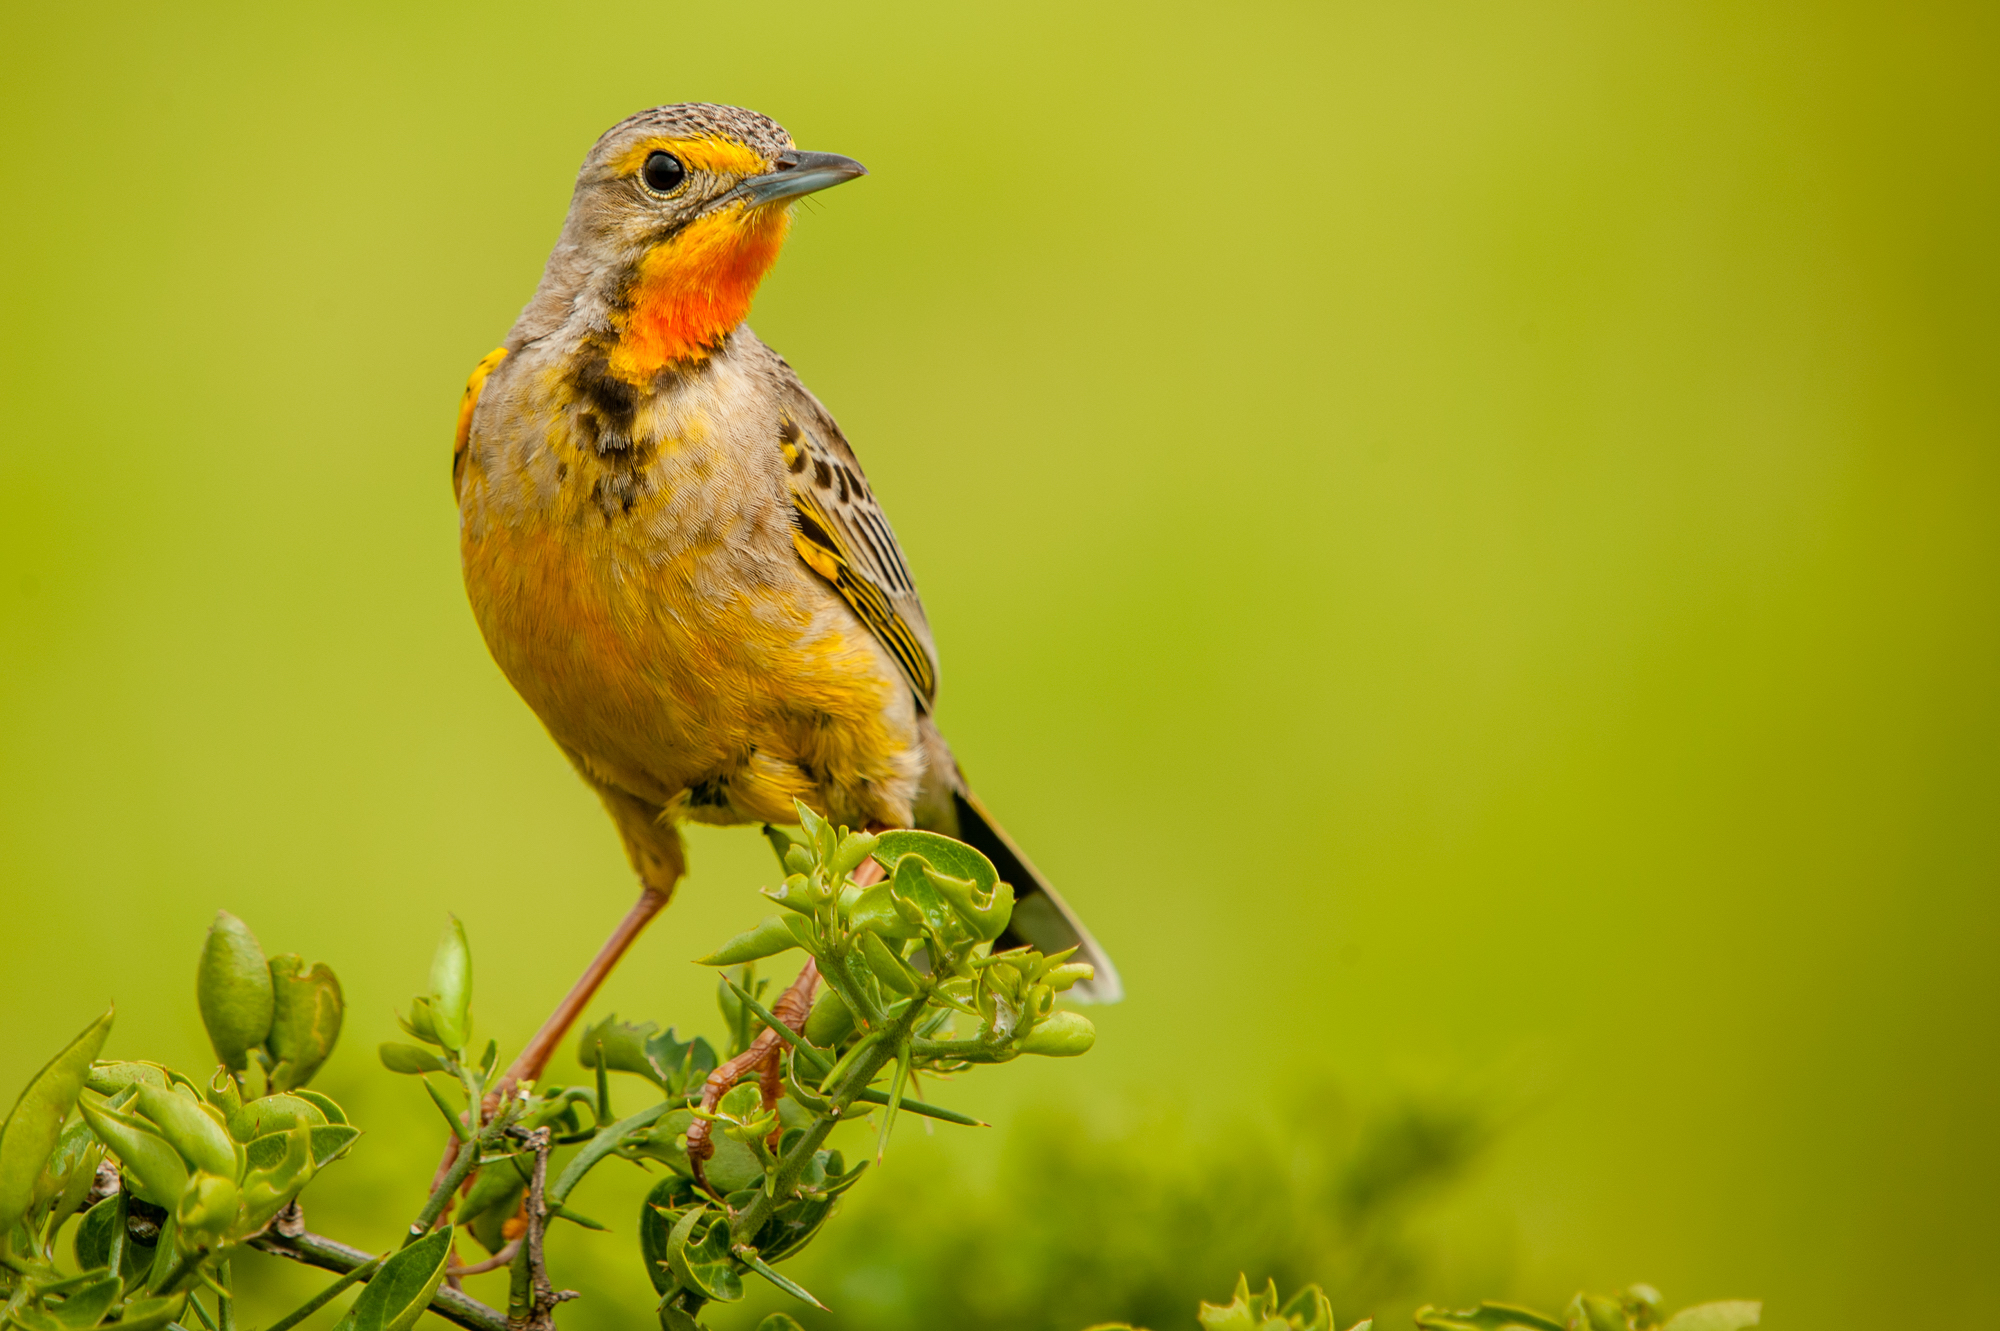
678,214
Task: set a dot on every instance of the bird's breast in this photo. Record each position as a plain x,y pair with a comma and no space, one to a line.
629,558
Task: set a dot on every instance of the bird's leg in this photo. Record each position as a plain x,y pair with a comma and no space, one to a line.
765,1054
535,1055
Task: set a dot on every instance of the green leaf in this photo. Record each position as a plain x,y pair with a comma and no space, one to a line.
158,1171
947,856
402,1289
756,1263
656,1221
306,1012
28,1137
102,1223
112,1077
85,1308
1732,1315
233,989
451,987
1486,1317
911,889
779,1322
195,1128
274,1113
648,1052
888,967
334,1113
65,1180
224,1093
874,910
772,936
149,1314
704,1265
409,1059
330,1141
497,1186
830,1020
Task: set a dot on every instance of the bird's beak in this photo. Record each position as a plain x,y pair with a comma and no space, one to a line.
797,174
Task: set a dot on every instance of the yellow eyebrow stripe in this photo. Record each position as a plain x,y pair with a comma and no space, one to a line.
705,153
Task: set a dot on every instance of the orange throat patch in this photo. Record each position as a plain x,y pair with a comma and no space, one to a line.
697,286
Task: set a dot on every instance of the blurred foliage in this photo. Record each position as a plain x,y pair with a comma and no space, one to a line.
1080,1223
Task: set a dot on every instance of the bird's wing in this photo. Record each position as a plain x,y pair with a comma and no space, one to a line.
844,536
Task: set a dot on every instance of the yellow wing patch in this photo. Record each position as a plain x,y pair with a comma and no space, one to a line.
817,543
467,403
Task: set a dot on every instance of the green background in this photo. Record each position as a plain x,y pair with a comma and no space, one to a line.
1463,536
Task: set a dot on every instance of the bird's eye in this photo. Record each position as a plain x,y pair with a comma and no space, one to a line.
662,172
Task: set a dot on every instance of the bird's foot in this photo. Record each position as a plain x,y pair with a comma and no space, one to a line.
764,1057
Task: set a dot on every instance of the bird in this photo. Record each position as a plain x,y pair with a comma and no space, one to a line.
673,553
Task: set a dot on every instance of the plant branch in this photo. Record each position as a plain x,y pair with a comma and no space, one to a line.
745,1224
542,1295
312,1249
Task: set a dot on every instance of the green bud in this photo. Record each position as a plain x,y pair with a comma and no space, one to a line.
422,1021
795,892
741,1102
830,1020
1059,1035
158,1171
305,1019
451,987
206,1209
196,1130
1590,1312
1062,977
233,989
854,848
768,939
753,1131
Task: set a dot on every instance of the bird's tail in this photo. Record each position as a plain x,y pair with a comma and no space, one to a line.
1042,919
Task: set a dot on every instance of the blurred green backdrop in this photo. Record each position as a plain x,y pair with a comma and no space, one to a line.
1502,496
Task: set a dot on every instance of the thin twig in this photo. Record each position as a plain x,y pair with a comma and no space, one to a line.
543,1296
493,1263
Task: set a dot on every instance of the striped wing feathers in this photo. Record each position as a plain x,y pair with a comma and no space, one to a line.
843,535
